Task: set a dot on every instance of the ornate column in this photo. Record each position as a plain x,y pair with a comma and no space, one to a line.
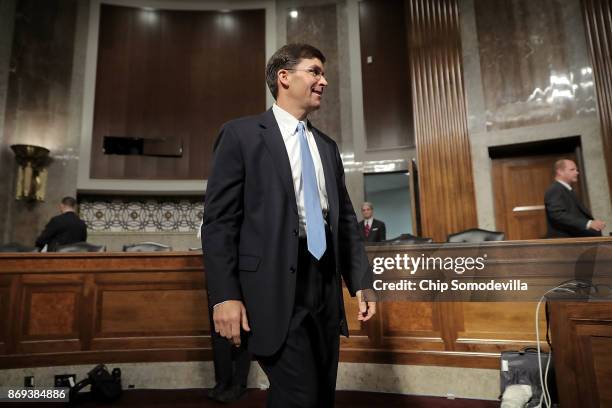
448,203
598,24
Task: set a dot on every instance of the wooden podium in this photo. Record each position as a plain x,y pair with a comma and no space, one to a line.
582,352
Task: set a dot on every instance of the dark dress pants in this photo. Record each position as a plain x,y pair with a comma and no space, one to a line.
231,363
303,372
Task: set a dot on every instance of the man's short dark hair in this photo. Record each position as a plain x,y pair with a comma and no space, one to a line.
69,202
288,56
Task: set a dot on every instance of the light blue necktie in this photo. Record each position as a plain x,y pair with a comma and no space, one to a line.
315,228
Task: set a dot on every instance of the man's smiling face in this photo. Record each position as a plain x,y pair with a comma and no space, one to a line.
306,84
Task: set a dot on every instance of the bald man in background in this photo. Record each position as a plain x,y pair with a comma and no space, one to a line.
566,216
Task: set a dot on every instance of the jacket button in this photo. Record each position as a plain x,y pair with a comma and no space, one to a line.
292,269
295,232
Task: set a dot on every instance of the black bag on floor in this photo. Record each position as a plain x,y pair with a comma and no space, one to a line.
521,367
105,387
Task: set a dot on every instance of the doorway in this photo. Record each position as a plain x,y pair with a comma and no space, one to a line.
521,174
391,196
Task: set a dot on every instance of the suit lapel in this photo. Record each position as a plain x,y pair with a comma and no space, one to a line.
276,146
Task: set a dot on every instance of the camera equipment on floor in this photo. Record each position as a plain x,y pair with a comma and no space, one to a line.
105,386
521,367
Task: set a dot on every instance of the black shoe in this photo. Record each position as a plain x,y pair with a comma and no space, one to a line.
216,392
232,393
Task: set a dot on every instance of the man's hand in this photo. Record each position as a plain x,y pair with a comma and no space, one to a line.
366,309
597,225
228,317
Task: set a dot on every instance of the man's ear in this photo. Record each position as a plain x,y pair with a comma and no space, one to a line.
283,78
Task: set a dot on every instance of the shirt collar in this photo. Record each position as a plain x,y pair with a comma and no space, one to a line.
562,183
286,121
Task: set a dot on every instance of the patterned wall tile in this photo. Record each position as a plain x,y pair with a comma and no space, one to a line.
117,214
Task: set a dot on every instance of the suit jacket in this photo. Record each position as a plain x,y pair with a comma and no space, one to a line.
378,231
66,228
250,232
566,216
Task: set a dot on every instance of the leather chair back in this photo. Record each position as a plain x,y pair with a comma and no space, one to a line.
147,247
81,247
476,235
406,239
15,247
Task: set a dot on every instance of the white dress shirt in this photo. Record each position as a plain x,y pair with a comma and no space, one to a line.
564,184
287,124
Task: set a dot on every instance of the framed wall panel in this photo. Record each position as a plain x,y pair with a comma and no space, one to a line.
173,75
50,313
387,101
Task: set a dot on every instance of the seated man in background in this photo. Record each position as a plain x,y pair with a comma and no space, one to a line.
566,216
372,230
66,228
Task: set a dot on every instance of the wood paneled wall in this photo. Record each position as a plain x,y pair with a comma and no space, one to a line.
387,105
582,340
598,24
448,203
178,75
87,308
58,309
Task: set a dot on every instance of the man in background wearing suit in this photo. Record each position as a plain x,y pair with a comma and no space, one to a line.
279,231
566,216
372,230
66,228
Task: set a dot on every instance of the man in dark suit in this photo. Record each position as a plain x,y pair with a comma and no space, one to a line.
231,363
66,228
372,230
279,231
566,216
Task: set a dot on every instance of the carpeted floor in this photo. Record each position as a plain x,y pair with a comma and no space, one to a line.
256,399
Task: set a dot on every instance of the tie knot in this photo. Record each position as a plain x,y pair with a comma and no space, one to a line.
300,127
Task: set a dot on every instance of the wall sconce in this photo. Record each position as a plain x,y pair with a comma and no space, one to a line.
31,172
